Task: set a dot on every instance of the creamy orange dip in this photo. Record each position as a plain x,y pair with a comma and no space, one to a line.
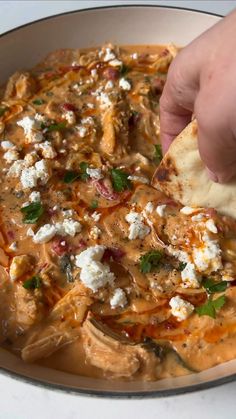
101,274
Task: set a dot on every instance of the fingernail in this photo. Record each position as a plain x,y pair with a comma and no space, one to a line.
212,175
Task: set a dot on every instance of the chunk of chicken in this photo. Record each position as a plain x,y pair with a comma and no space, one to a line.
61,328
20,86
115,354
19,266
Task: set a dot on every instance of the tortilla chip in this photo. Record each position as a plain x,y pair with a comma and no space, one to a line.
182,176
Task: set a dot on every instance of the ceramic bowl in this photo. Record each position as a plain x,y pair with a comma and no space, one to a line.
25,46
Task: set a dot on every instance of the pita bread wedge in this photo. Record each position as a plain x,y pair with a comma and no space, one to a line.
182,176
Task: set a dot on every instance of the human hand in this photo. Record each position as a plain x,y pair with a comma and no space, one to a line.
202,80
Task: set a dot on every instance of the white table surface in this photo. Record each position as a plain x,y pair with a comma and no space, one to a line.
23,401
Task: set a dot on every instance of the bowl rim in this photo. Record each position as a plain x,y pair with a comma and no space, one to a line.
103,393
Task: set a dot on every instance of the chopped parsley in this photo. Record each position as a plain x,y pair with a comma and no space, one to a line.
182,266
33,283
150,261
124,69
70,176
2,110
120,181
212,287
94,204
32,212
55,127
38,101
211,306
158,153
83,170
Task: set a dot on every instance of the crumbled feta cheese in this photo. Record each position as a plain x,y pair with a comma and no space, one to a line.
180,308
160,209
137,228
48,151
88,120
181,255
109,85
70,117
30,232
82,131
149,207
189,210
30,158
109,55
105,101
16,168
94,173
35,196
29,178
96,216
30,126
210,225
95,233
6,145
198,217
39,117
11,155
71,227
140,179
207,257
115,63
134,56
124,84
94,72
44,234
118,299
25,204
190,277
91,253
42,171
68,213
90,105
94,274
13,247
227,277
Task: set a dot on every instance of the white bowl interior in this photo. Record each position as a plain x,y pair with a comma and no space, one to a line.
25,47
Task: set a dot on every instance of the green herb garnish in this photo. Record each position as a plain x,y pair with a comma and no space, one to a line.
33,283
49,93
211,306
124,69
32,212
150,261
182,266
70,176
2,111
158,153
213,287
120,181
83,167
55,127
94,204
38,101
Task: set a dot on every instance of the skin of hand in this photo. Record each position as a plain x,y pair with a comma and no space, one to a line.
202,81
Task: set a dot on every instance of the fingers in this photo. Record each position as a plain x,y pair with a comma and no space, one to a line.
216,138
177,100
